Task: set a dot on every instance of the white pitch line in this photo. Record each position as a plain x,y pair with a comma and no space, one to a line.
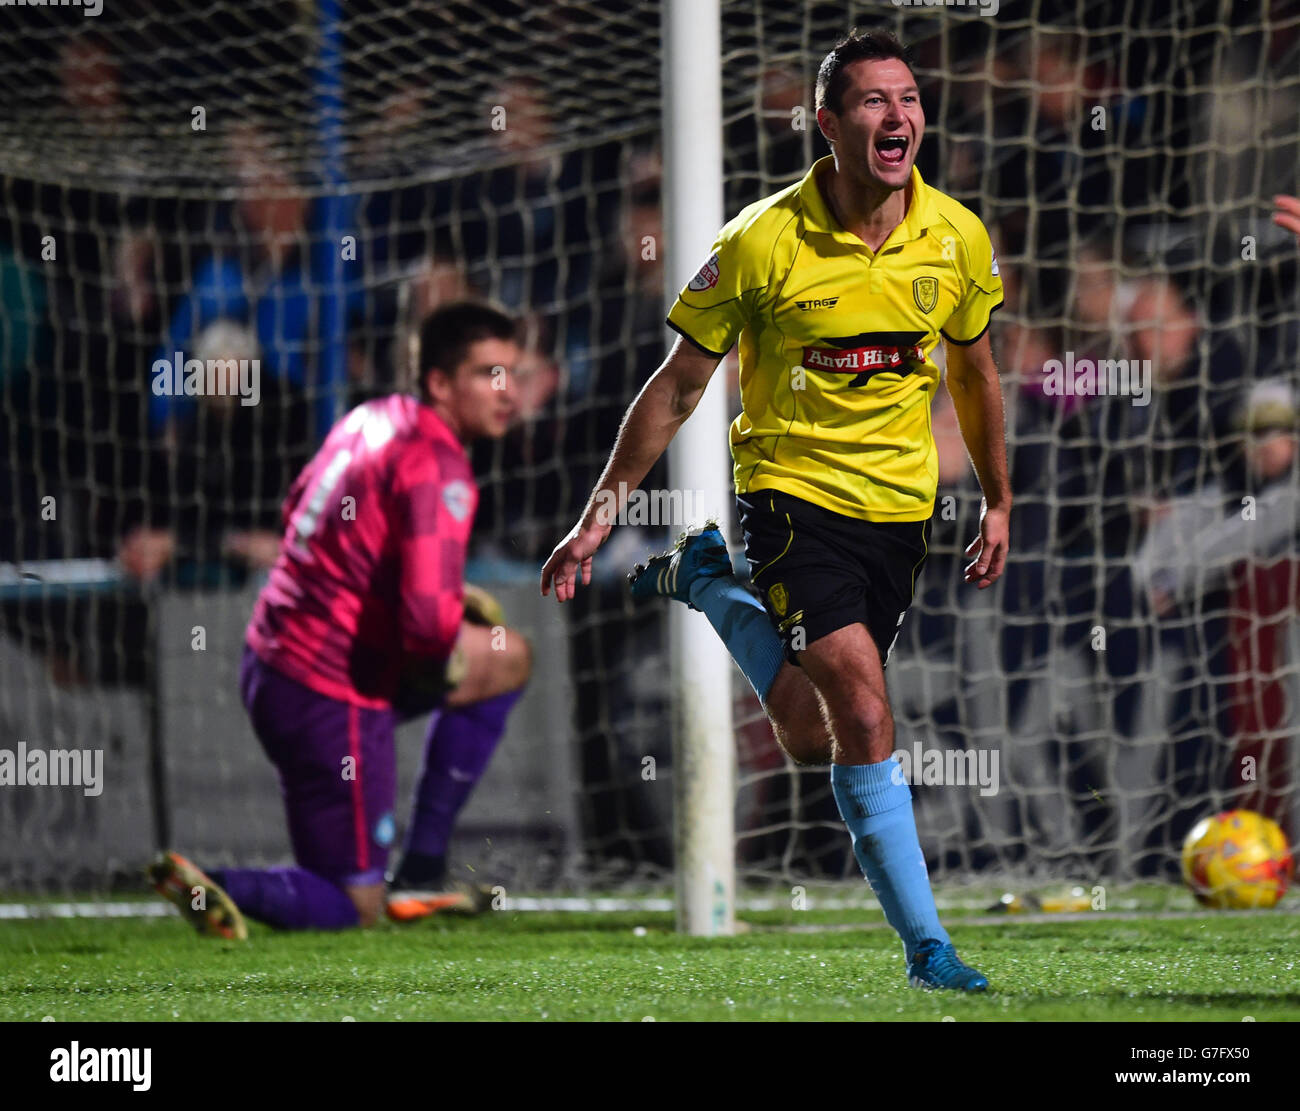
581,904
85,910
1035,919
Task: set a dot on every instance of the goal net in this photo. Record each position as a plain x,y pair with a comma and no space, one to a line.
296,184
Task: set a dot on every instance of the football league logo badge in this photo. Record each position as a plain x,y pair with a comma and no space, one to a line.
707,278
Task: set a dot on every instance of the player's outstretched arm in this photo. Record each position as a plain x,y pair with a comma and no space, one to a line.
977,399
650,423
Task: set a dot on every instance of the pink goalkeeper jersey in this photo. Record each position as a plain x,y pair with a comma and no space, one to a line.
371,568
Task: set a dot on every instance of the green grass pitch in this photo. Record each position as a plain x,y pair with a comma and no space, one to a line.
543,966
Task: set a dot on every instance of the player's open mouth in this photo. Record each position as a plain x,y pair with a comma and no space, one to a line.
892,149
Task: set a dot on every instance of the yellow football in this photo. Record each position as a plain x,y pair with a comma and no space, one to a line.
1237,859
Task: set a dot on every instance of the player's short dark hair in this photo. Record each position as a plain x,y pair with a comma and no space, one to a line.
448,332
856,46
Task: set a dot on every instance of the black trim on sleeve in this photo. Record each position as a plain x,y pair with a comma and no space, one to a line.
968,342
696,343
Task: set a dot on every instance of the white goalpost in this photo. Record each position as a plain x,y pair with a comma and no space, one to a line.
703,744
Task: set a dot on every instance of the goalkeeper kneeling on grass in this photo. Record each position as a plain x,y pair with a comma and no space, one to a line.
365,621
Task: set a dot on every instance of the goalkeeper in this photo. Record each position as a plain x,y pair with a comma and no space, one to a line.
838,290
365,619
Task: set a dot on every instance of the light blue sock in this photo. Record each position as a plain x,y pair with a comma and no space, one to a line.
742,623
877,808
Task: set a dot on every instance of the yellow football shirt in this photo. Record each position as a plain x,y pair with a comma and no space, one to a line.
836,343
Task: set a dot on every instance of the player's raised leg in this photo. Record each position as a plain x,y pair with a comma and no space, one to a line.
492,666
698,572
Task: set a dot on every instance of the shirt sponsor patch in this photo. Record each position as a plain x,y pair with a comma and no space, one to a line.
707,278
856,359
866,354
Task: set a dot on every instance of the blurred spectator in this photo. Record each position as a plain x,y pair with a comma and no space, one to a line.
1100,301
94,106
973,668
776,143
24,353
90,82
1197,539
521,476
944,677
1232,549
216,484
268,279
392,144
529,230
1137,455
1246,126
1040,465
620,704
101,267
527,227
379,344
1075,137
1134,459
1051,171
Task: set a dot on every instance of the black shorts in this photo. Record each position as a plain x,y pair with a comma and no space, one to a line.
818,571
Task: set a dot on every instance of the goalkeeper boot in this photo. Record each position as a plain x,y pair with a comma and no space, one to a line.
936,965
201,901
409,904
700,553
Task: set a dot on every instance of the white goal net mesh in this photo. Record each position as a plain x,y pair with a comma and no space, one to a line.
301,182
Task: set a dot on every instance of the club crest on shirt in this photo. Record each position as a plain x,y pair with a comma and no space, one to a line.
457,498
926,292
707,278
